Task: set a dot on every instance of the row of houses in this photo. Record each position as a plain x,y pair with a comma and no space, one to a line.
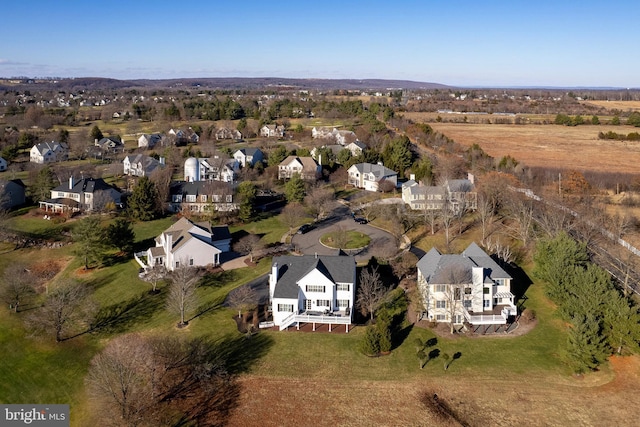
467,288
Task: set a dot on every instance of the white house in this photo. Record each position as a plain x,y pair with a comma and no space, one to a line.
306,167
149,140
226,133
199,197
248,156
141,164
342,137
271,131
190,243
312,289
213,169
458,194
470,287
86,194
48,152
356,148
369,176
3,165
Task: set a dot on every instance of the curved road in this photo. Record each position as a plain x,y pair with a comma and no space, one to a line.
383,244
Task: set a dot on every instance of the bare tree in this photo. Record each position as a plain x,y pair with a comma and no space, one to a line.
248,245
446,219
242,299
121,379
430,216
161,177
486,214
520,211
458,280
154,275
320,201
371,291
17,286
67,308
293,214
182,291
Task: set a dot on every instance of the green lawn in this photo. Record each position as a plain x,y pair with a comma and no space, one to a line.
39,370
354,239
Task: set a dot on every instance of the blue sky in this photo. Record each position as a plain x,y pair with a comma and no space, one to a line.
460,43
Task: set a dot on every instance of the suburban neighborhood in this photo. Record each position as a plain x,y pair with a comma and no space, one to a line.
218,245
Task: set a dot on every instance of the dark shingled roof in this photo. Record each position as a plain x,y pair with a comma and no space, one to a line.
338,269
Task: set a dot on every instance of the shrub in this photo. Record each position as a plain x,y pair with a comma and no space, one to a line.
370,345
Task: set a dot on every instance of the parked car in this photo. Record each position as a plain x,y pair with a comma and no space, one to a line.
360,220
304,228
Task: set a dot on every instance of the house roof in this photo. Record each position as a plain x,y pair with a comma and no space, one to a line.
456,185
379,171
249,151
200,187
338,269
149,163
85,185
43,147
220,232
308,164
180,233
435,267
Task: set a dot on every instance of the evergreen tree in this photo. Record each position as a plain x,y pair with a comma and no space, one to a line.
622,323
120,235
142,202
41,184
90,240
278,155
96,133
246,193
294,189
553,258
587,347
370,344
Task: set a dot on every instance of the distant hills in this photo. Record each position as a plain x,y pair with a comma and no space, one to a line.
213,83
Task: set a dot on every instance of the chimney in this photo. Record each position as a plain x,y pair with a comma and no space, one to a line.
71,182
412,176
471,178
162,160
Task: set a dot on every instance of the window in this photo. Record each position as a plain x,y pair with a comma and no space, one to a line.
441,317
177,264
203,198
441,288
486,303
457,294
191,197
343,303
285,308
467,303
191,261
315,288
307,304
323,303
441,304
176,198
499,282
159,261
467,291
342,287
60,194
486,291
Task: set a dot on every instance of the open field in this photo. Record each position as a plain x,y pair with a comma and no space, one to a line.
551,146
616,105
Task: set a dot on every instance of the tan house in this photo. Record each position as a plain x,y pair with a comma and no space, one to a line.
306,167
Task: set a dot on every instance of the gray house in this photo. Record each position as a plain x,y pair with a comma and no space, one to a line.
467,288
12,193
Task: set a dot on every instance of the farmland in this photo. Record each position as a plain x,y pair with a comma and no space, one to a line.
550,146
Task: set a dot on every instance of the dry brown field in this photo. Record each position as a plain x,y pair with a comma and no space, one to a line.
565,147
616,105
609,399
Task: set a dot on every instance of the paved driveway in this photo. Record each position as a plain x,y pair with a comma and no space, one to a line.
382,245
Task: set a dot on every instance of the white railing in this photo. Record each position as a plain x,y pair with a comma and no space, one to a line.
138,256
287,321
334,320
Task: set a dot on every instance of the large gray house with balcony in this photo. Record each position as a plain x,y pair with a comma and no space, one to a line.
466,288
319,290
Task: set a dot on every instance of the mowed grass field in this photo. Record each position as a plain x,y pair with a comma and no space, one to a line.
552,146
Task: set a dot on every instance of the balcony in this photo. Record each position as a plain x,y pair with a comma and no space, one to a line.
331,318
498,316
